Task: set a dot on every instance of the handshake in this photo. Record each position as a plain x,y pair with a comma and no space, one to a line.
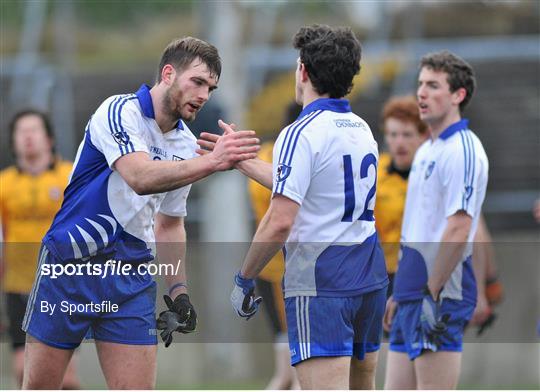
230,148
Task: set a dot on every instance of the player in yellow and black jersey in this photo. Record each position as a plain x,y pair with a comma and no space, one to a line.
31,192
404,132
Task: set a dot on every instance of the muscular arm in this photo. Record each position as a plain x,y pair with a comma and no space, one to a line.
450,253
171,247
146,176
270,236
257,170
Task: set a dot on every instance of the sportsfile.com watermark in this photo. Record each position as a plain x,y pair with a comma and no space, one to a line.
109,268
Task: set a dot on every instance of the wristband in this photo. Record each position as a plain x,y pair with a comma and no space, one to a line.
175,286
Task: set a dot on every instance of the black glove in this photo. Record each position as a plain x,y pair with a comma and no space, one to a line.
180,317
432,322
486,324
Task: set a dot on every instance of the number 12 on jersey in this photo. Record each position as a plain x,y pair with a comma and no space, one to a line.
350,199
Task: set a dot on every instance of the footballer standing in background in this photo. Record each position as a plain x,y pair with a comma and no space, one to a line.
435,290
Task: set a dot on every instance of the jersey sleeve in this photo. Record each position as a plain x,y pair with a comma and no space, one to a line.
115,128
175,202
292,165
461,177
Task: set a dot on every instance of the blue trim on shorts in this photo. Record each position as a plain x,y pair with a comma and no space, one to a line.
335,326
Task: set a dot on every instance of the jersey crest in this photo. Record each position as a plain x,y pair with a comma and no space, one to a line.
283,172
429,170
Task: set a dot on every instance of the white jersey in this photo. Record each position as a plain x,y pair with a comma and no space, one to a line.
101,214
449,174
326,161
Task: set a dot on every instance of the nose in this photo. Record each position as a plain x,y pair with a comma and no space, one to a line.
421,92
204,94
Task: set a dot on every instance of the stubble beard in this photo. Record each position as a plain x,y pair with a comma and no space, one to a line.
170,106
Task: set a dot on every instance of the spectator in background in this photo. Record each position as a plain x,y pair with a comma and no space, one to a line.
269,281
30,195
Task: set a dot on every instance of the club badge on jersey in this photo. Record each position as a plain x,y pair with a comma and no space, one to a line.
283,172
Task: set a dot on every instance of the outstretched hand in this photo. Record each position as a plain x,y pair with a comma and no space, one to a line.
208,140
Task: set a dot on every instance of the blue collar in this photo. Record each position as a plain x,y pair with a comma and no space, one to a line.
455,127
332,104
145,100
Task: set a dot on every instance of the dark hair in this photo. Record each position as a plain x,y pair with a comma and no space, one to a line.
331,57
183,51
459,73
30,112
292,111
404,109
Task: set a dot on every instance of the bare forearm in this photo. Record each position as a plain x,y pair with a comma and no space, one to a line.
450,254
164,176
171,250
257,170
268,240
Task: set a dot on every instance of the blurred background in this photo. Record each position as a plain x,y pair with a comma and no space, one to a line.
66,57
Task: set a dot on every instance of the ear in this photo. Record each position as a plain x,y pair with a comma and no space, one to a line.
304,77
168,74
459,95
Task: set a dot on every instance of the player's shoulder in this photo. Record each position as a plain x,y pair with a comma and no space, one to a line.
462,142
116,105
384,161
424,147
9,173
331,120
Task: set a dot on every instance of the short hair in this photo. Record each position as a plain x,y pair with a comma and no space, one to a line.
292,112
331,57
183,51
460,73
404,109
30,112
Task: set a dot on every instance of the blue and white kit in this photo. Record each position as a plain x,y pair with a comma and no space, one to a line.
102,218
448,175
335,276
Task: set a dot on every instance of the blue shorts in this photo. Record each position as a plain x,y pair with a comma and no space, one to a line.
116,308
335,326
406,333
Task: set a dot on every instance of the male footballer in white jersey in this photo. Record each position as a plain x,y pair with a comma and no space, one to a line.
323,180
128,189
434,288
